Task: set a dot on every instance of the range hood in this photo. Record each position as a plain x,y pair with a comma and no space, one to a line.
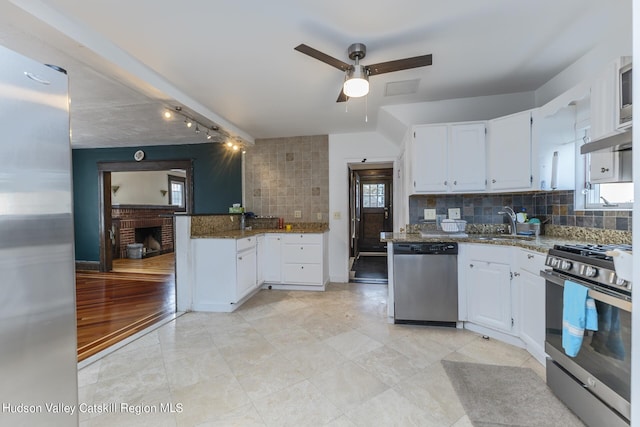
617,142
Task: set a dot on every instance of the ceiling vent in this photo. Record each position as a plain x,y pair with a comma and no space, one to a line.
404,87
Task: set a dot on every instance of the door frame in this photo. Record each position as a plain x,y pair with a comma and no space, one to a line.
104,197
367,176
353,167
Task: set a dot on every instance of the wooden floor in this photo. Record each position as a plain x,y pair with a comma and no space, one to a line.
113,306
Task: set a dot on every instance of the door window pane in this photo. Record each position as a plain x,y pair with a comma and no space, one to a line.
373,195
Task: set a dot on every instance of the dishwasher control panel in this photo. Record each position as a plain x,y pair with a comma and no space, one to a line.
437,248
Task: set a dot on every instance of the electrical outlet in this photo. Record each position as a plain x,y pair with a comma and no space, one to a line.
337,215
319,216
430,214
454,213
297,214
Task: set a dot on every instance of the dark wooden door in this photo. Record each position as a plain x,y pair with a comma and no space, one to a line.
376,214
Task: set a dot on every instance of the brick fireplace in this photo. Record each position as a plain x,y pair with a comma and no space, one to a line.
134,224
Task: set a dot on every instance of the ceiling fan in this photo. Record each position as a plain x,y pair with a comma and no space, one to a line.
356,82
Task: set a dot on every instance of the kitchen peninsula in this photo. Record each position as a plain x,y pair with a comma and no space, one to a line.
219,266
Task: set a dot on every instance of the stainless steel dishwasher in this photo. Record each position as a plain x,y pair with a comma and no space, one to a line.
425,283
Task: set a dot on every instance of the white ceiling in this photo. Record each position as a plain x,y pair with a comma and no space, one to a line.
233,62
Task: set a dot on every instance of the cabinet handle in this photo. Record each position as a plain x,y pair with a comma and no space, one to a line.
516,274
239,258
470,265
302,267
455,182
445,183
301,248
603,170
529,256
493,181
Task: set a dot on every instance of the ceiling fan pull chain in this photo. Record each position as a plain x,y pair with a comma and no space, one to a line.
366,108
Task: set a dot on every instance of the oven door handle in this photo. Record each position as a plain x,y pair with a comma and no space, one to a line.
559,279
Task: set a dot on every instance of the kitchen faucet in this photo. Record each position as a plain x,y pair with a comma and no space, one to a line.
512,217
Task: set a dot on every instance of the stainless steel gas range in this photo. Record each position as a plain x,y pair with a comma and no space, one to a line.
596,383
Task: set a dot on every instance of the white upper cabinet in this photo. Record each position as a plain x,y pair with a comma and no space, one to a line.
467,157
554,148
605,101
429,159
448,158
509,153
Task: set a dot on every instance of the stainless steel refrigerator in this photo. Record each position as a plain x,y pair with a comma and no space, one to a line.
38,364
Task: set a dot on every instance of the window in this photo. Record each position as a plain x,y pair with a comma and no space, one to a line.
373,195
176,191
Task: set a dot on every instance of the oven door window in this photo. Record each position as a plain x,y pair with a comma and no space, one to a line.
605,353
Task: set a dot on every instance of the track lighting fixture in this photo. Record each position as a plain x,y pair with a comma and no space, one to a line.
211,130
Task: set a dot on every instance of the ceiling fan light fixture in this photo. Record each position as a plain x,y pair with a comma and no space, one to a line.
357,82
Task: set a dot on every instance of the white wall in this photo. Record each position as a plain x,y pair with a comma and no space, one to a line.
614,44
461,109
141,187
345,149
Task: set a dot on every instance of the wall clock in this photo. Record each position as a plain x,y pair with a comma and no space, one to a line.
139,155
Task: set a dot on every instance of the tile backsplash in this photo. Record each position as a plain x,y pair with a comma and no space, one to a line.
554,207
284,175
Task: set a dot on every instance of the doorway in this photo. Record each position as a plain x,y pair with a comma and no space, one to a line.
132,292
371,209
179,193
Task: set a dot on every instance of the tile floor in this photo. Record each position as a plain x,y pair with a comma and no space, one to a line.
290,359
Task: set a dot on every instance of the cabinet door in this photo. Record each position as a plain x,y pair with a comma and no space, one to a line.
603,166
532,319
272,261
510,152
260,255
489,295
245,273
429,160
467,157
603,102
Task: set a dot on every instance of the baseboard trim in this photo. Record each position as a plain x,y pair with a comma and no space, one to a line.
88,265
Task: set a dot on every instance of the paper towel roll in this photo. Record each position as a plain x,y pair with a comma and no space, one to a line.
554,171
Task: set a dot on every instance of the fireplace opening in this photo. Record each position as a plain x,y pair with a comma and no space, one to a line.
151,239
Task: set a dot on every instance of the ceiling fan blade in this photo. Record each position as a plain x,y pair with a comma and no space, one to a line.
399,64
342,97
314,53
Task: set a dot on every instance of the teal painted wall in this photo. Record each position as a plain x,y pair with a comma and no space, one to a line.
217,176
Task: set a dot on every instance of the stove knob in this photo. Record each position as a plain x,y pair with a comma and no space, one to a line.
590,271
565,265
553,262
619,281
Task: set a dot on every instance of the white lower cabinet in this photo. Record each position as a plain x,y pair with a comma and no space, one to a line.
227,271
532,301
489,294
505,295
272,260
303,260
260,255
224,273
246,277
